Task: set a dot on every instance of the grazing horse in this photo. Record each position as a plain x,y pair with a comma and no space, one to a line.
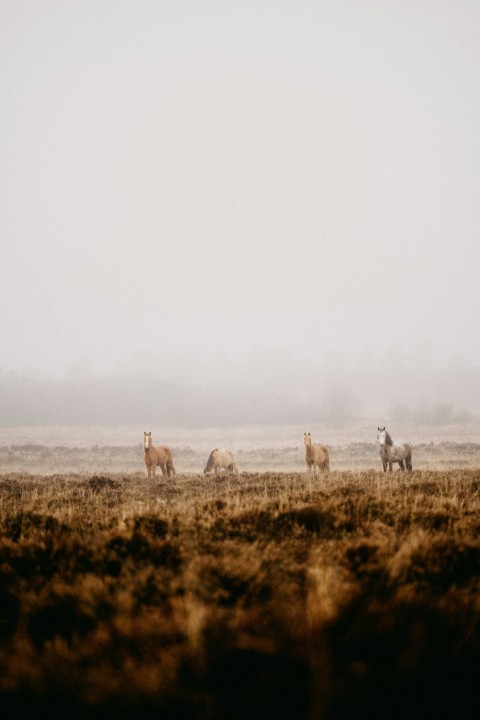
391,452
161,455
316,456
221,459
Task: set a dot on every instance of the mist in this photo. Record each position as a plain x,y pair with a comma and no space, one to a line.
239,212
264,390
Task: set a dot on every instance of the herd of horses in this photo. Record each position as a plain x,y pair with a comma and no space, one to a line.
317,457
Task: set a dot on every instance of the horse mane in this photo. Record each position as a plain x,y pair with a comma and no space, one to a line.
388,439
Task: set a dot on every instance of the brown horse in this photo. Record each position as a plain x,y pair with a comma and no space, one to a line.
161,455
316,456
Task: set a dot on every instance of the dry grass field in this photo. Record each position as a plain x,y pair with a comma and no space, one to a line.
357,456
269,594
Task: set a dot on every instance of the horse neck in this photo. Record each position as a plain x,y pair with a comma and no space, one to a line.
210,460
310,450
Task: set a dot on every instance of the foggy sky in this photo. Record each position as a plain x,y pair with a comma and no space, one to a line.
219,189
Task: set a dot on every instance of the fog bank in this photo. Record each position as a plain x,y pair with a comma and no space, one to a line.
235,212
291,393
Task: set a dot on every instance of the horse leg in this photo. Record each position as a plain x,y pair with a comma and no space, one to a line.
408,462
171,468
390,465
402,466
384,462
163,469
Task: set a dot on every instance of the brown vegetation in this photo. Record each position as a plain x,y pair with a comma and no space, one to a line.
259,595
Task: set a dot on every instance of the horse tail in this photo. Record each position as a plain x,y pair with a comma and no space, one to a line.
408,459
326,462
209,464
233,465
170,465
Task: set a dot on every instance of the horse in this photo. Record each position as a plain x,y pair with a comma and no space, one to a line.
316,456
391,452
161,455
221,459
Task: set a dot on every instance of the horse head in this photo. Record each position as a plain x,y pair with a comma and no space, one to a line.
307,439
147,440
381,435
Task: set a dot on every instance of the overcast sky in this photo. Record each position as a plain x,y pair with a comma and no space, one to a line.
205,182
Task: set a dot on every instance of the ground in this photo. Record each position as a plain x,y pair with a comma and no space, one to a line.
268,593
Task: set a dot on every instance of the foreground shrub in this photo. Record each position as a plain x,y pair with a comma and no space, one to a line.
266,594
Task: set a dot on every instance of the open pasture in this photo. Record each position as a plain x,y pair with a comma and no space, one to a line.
264,594
191,459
